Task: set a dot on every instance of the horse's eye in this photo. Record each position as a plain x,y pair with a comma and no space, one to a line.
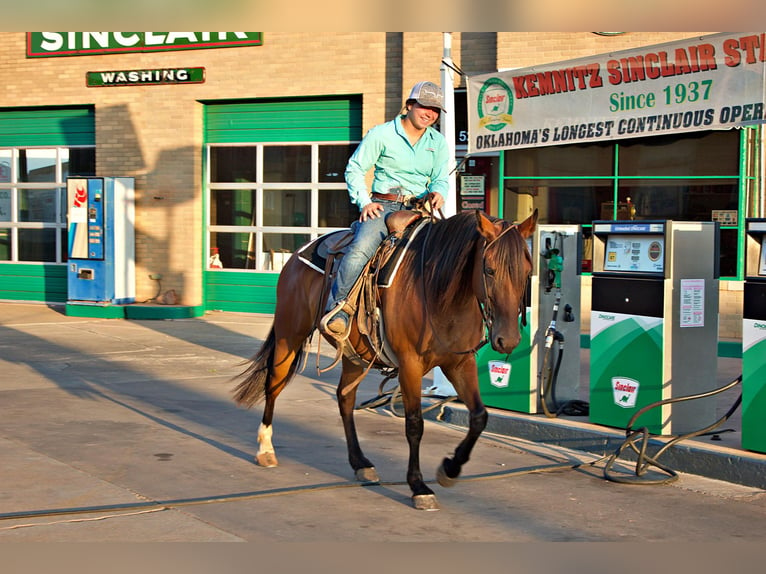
489,271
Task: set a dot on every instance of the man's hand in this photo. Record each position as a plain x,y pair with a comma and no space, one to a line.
437,200
371,211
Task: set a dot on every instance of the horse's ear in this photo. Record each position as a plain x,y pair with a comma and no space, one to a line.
527,227
488,228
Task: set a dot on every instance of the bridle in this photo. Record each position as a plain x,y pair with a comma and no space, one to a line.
484,302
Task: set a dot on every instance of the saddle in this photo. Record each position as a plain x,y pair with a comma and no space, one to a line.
362,303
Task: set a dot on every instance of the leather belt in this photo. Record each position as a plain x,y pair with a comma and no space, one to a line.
400,197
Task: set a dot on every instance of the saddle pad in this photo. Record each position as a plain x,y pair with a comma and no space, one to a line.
314,254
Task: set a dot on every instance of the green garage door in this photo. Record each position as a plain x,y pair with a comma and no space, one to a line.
43,142
251,145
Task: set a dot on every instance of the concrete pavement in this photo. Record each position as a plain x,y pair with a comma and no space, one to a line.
121,430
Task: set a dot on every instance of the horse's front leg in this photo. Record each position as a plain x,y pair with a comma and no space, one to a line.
464,378
410,381
346,393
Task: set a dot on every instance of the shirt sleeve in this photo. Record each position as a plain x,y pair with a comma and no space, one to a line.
361,161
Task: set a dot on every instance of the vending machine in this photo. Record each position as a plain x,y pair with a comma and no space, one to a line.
754,338
654,323
101,241
512,382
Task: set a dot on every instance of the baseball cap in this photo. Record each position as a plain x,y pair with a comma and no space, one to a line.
428,94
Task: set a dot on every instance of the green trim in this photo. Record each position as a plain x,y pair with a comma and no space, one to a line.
30,282
163,311
96,311
240,291
294,120
50,126
134,312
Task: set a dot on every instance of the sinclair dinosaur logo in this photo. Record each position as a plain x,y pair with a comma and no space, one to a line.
495,105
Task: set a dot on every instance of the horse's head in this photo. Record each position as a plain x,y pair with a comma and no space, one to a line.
501,272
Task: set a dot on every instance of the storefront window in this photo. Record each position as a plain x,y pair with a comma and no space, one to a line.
33,220
37,165
283,164
689,177
286,208
233,164
78,161
267,200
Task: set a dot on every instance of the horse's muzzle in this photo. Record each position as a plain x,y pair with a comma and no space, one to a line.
504,343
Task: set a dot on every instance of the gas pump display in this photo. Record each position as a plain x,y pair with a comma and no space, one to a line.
101,244
754,338
653,322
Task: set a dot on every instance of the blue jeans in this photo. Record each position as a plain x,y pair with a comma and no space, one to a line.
368,235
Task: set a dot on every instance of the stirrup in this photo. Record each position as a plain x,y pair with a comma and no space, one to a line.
329,317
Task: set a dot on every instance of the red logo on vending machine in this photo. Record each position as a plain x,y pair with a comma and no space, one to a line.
80,196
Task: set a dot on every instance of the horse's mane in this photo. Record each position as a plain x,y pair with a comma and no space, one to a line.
450,250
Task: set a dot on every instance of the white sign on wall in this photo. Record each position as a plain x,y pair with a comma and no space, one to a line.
707,82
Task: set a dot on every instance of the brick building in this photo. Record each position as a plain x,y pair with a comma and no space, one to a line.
247,160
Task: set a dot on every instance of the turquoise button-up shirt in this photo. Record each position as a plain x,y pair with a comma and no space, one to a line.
399,166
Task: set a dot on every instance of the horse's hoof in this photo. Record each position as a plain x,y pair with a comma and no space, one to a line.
367,475
443,479
425,502
266,459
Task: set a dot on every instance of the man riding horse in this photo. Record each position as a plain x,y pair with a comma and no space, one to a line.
410,158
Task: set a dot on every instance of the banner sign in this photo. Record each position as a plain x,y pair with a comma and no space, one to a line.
152,77
703,83
50,44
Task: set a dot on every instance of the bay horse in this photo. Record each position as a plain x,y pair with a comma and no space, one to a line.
461,280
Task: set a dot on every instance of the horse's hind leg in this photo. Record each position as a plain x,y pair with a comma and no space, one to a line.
286,353
346,393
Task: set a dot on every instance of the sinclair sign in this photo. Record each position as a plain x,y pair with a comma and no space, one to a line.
52,44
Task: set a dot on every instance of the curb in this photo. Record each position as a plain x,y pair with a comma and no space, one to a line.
692,457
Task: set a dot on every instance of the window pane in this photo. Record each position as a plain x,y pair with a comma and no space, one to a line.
685,200
5,204
283,164
332,162
38,204
5,165
232,207
233,164
561,161
286,208
729,252
37,245
284,242
236,250
5,244
63,244
701,153
78,161
563,201
37,165
336,209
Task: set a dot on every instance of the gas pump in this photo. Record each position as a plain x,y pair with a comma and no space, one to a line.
654,323
101,246
553,297
754,338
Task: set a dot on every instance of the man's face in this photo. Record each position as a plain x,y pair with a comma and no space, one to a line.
422,117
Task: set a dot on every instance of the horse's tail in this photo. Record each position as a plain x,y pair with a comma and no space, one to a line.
252,389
